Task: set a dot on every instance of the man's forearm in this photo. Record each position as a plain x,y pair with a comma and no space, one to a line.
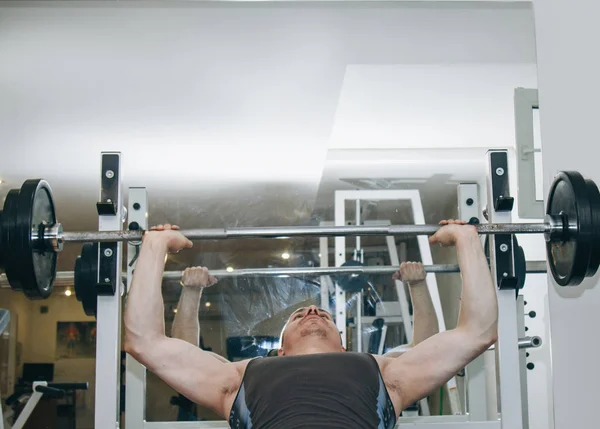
425,322
479,305
186,326
144,311
425,319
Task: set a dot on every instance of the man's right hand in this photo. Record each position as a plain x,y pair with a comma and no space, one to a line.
170,236
450,232
198,277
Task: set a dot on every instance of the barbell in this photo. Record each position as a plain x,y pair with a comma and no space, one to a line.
31,236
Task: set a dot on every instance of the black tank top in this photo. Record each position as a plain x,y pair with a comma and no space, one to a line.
328,390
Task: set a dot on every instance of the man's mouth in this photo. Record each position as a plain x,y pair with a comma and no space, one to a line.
312,316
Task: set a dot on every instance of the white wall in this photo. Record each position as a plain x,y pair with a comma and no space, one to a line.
567,35
416,106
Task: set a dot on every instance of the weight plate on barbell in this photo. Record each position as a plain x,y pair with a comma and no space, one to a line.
569,256
36,270
352,282
594,195
86,277
7,230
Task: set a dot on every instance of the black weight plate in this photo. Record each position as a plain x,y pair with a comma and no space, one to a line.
569,256
594,196
36,267
352,282
9,216
86,276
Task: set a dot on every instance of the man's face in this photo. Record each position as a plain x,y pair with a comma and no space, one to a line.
310,324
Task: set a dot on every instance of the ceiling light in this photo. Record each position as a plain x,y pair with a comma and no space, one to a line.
229,269
207,303
285,255
68,292
174,310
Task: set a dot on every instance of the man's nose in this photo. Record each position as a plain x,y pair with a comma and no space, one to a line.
313,309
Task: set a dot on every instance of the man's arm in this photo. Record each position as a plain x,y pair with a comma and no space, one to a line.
425,322
186,368
186,325
432,363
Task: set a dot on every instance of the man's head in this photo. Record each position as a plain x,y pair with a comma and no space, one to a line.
310,330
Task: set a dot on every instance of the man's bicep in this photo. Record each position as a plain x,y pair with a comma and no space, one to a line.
190,371
430,364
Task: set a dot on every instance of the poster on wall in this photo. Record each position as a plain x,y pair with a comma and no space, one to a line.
75,340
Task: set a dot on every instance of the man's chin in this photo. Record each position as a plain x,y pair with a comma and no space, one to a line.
314,331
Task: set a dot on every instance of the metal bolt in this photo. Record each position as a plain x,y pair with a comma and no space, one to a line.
504,247
108,253
500,171
109,174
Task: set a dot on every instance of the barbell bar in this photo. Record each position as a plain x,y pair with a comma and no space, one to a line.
351,277
31,236
55,238
525,343
327,271
65,278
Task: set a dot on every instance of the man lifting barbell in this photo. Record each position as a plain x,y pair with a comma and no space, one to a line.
311,370
186,325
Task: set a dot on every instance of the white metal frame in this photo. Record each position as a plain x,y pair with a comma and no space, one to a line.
526,100
507,355
509,358
340,248
326,282
30,405
414,197
108,322
476,393
523,360
135,381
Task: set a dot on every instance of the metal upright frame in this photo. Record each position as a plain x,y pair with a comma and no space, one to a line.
523,360
135,398
110,290
326,282
502,269
476,393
